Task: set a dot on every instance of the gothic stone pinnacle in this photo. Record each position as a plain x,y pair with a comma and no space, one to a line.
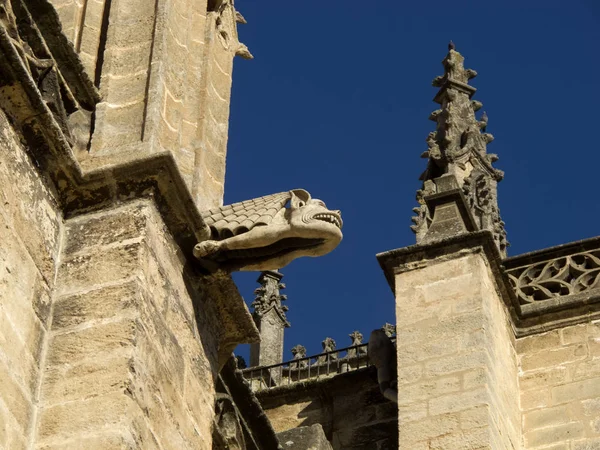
457,156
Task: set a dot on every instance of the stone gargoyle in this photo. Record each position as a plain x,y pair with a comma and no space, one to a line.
267,233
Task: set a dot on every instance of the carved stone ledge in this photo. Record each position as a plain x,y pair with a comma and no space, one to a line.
417,256
528,316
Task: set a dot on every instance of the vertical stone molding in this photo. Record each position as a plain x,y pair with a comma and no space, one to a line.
457,366
269,316
164,70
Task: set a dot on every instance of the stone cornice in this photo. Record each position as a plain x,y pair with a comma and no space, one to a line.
420,255
530,318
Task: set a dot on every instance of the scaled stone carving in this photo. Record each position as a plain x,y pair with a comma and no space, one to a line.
264,234
572,274
458,148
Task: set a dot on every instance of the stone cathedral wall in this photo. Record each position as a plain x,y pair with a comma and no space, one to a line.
497,353
131,357
106,337
31,234
559,379
164,70
456,360
109,336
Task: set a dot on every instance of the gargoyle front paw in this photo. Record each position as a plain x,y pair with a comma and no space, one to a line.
206,248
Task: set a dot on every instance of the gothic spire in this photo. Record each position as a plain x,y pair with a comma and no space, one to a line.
269,297
457,157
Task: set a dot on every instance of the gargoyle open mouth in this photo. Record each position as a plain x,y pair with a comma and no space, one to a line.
329,217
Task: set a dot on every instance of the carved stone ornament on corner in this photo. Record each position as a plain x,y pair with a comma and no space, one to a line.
568,275
226,20
264,234
37,61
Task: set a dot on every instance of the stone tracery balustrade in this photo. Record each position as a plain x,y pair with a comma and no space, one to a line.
570,270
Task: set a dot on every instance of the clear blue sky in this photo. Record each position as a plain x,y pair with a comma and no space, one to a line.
336,101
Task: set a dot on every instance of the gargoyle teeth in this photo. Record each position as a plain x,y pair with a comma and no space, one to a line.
331,218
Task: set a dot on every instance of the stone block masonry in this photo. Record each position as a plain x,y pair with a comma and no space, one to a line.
559,378
130,361
164,69
30,240
456,363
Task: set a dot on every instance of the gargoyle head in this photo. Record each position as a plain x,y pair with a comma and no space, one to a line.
267,233
310,218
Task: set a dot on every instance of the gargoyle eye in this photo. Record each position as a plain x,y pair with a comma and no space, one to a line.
301,204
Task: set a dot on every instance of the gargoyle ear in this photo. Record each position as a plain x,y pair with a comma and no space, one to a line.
300,197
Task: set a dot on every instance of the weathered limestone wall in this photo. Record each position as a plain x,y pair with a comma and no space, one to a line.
349,406
164,70
131,360
559,378
30,239
457,374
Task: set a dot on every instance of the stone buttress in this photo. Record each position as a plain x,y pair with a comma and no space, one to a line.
457,365
113,131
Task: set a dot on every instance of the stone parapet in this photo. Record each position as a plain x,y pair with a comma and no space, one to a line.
557,286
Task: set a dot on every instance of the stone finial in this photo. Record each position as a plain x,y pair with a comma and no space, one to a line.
328,346
299,352
269,297
357,339
458,162
389,329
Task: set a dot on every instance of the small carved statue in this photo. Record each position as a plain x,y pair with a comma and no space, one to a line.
299,352
389,329
357,339
264,234
328,346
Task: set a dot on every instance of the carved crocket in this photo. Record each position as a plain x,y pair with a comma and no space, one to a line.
264,234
